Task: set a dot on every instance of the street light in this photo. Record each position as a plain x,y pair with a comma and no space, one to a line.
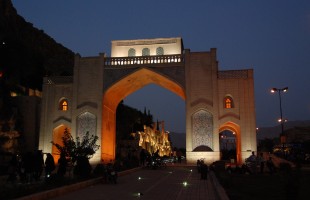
281,120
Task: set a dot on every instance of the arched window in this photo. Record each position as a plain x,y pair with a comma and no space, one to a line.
63,105
131,52
160,51
145,52
228,102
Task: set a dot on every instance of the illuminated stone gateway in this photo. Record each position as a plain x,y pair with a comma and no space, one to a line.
215,100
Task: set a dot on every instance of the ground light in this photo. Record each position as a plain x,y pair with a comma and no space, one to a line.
138,194
185,183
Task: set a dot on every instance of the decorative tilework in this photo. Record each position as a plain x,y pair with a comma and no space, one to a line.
202,127
86,122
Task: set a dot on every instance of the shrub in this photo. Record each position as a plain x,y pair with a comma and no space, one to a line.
83,167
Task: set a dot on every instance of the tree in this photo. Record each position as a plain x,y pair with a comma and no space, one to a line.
85,148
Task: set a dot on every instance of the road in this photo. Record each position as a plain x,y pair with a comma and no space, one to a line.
156,184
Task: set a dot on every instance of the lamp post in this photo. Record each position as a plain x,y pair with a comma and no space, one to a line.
281,120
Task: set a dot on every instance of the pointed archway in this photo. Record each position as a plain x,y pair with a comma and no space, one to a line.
235,128
118,92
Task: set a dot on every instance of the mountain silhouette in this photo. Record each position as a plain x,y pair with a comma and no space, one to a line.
27,53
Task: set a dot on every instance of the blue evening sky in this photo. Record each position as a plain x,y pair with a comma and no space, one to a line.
270,36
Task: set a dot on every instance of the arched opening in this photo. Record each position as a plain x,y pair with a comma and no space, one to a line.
156,122
228,102
58,132
63,105
229,139
118,92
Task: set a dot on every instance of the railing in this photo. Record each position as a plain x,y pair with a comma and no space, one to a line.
142,60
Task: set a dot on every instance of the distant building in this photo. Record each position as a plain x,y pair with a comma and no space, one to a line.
26,114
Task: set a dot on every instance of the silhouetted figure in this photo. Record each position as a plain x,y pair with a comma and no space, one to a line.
29,166
38,164
251,163
204,171
179,155
62,168
49,165
111,172
270,166
12,170
156,154
142,157
261,161
22,170
199,163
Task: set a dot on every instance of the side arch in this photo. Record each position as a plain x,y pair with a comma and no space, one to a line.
58,133
235,128
118,92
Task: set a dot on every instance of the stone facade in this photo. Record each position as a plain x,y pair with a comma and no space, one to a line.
215,100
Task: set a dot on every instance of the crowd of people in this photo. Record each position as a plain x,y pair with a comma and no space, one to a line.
29,167
253,163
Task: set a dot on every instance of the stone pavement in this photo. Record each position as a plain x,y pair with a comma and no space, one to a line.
156,184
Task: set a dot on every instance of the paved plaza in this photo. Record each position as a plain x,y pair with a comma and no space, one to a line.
180,182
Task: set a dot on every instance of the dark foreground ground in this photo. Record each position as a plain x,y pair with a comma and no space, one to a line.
170,183
293,184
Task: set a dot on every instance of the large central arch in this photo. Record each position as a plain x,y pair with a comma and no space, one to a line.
119,91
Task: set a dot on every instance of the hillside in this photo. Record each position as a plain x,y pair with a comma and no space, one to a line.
273,132
27,53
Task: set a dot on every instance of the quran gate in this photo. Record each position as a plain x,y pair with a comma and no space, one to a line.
215,100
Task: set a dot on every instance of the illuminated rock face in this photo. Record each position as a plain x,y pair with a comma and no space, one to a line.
215,100
153,140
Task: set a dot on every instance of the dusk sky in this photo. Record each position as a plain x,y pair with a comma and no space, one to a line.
270,36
